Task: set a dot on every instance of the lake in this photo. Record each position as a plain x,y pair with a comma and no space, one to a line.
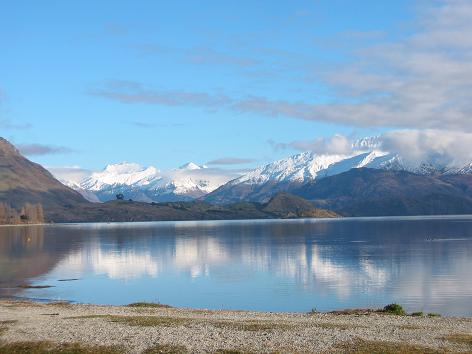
423,263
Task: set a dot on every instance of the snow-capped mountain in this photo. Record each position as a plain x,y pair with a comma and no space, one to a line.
121,174
288,174
149,184
282,175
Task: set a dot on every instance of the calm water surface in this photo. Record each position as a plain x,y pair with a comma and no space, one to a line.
282,265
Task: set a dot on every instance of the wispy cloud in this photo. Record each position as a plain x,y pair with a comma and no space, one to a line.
423,81
210,56
336,144
230,161
134,92
6,123
70,173
40,149
145,125
115,29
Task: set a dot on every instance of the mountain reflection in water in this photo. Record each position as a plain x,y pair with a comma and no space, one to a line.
277,265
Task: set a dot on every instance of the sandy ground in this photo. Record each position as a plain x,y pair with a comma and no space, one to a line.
169,330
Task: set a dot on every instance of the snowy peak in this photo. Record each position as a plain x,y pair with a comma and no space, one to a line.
120,174
191,166
123,167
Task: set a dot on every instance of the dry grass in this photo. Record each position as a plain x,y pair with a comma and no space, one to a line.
409,327
53,348
363,312
338,326
378,347
4,325
145,321
461,338
252,326
168,321
151,321
166,349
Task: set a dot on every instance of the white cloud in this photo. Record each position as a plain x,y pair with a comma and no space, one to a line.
439,147
336,144
446,148
71,174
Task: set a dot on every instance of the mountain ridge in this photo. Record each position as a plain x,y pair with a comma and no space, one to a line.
23,181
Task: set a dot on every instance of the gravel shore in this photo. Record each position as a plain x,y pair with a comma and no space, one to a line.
158,329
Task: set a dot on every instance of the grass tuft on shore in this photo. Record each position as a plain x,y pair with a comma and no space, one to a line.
53,348
434,314
149,304
27,286
418,314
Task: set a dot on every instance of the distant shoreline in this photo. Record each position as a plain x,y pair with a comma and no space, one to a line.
134,329
387,217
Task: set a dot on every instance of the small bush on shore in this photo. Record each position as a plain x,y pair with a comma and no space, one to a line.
394,309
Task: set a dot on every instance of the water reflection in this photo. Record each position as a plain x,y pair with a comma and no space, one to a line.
263,265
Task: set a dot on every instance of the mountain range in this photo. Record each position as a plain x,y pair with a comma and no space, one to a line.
196,182
23,182
372,183
148,184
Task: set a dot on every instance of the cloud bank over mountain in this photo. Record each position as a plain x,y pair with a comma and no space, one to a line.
431,146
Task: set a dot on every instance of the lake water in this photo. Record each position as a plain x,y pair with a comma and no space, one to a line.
424,264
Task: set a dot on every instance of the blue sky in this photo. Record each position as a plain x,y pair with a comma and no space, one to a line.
89,83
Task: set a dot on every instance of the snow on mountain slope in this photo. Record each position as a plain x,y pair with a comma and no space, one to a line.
124,173
282,175
308,166
89,195
148,184
297,168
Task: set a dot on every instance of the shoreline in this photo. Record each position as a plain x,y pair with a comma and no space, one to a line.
155,328
337,218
